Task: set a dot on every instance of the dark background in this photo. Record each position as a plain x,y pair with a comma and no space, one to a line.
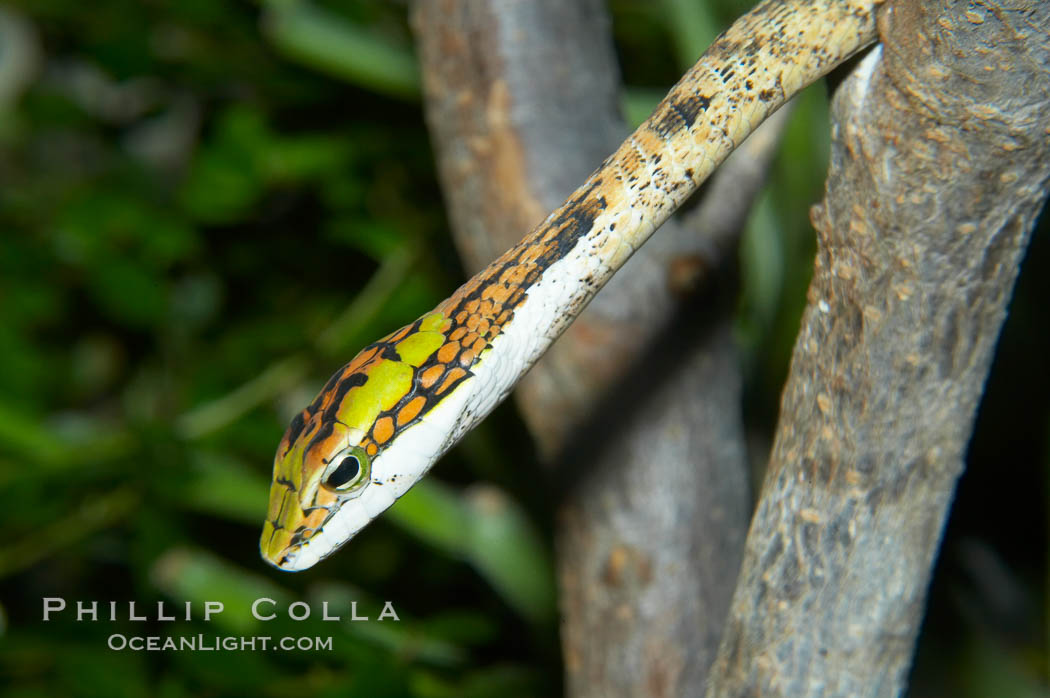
205,208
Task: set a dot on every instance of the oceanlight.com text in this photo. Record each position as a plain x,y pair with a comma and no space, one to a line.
216,643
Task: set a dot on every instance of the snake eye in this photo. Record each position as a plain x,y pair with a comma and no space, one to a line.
347,472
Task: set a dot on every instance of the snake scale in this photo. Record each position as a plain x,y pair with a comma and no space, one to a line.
385,418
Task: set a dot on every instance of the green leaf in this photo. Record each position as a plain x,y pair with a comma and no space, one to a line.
489,530
218,484
322,40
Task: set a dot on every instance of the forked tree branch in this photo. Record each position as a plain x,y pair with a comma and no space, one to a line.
522,103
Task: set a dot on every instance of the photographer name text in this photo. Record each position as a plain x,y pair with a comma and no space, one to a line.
262,609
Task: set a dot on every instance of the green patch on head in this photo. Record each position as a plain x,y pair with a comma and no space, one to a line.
291,467
417,348
432,322
388,381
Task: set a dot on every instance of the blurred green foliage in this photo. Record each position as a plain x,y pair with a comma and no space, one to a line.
206,207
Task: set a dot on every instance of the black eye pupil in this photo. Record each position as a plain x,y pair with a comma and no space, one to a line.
348,469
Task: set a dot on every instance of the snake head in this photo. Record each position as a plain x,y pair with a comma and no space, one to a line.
318,468
345,458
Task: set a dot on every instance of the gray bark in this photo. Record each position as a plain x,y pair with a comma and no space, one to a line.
940,163
522,101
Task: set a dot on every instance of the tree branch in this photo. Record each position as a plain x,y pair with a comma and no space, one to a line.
940,162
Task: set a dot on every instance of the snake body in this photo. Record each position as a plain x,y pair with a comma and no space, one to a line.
382,420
